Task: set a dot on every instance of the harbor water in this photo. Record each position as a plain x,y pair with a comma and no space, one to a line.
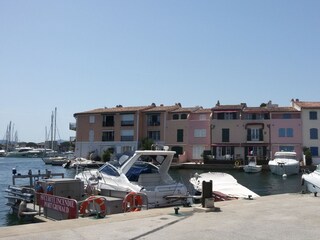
263,183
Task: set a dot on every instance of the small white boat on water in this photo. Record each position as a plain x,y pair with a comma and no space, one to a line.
222,184
145,172
312,181
284,164
82,163
252,166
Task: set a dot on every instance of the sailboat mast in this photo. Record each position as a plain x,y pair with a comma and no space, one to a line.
55,124
52,131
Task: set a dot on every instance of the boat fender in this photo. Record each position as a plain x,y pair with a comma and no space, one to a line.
22,208
93,199
132,202
50,189
38,188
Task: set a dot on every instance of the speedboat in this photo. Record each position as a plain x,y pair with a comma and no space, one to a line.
284,164
312,180
224,186
146,172
252,166
80,162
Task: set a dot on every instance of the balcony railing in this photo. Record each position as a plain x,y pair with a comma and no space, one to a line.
127,123
126,138
73,126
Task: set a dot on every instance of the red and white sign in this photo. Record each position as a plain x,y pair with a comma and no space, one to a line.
59,204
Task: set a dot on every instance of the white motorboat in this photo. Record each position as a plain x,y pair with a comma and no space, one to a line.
2,153
312,180
222,184
146,172
252,166
284,163
82,163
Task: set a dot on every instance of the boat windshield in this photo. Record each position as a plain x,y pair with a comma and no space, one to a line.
140,168
293,157
109,169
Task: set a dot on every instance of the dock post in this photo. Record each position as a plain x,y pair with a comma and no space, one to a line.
206,192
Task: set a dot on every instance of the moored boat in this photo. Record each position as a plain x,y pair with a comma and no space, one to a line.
284,163
223,184
145,172
312,180
252,166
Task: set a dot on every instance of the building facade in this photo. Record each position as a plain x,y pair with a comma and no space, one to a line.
228,132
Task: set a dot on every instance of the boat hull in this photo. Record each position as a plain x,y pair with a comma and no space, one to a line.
311,181
284,168
252,169
222,183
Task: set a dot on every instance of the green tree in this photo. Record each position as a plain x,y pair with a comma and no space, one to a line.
146,143
106,155
307,153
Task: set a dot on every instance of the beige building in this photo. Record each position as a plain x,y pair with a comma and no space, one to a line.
117,129
310,114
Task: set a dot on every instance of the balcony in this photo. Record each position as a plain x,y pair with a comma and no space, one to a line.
127,123
73,126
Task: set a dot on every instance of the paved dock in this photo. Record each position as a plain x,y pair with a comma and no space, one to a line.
284,216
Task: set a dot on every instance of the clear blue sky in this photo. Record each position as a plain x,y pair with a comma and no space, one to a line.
81,55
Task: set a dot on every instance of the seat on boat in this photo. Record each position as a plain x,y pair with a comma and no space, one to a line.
149,179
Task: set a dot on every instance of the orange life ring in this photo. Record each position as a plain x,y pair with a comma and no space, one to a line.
93,199
132,202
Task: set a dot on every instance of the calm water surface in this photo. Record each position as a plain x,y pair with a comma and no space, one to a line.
263,183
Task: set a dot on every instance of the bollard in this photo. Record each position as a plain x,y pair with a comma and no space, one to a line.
206,191
176,210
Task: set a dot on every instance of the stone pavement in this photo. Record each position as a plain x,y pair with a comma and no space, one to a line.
284,216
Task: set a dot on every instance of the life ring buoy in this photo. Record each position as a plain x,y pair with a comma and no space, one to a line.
132,202
84,210
237,163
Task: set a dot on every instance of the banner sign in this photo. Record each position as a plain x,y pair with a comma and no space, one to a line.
60,204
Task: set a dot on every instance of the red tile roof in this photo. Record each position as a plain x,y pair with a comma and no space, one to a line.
307,104
118,109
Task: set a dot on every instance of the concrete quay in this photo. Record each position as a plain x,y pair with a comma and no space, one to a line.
284,216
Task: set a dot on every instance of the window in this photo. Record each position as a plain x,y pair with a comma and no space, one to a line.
202,117
313,115
154,135
285,132
282,132
200,133
286,148
184,116
313,133
127,120
286,116
108,121
229,116
225,135
289,132
154,120
91,119
314,151
197,152
175,116
127,135
91,136
254,134
180,135
108,136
